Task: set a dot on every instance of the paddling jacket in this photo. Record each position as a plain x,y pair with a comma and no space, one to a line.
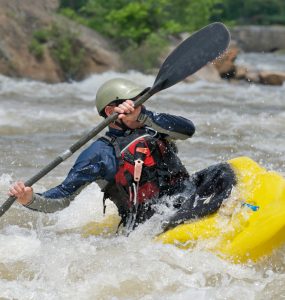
149,168
99,162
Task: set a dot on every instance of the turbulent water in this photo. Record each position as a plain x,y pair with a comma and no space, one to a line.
46,257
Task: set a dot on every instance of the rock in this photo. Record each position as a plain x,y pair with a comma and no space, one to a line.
271,77
240,72
252,76
225,64
259,38
99,53
18,21
261,77
52,5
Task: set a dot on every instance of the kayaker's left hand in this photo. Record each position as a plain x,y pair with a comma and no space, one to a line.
23,193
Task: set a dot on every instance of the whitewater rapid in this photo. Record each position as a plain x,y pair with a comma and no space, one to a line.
46,257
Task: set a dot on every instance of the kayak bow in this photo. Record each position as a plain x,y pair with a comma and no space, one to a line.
256,224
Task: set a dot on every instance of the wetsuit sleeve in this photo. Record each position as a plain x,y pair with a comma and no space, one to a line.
173,126
96,162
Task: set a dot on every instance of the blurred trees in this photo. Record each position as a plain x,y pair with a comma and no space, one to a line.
130,22
255,12
141,27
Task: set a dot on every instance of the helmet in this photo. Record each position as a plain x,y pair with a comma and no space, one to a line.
116,89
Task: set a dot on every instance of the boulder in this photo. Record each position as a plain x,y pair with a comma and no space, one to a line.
240,72
259,38
99,54
272,77
20,19
252,76
225,64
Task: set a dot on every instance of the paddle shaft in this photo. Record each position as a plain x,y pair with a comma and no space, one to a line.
67,153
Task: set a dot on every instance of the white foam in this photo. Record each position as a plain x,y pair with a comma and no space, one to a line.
48,261
84,90
5,180
87,207
18,245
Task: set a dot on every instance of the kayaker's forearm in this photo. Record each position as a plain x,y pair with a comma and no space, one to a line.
49,205
46,205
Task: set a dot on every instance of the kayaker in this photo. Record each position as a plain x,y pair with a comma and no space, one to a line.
135,164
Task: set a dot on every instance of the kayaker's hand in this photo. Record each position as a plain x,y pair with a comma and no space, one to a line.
128,114
23,193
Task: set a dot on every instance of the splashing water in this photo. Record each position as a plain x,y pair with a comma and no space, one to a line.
46,257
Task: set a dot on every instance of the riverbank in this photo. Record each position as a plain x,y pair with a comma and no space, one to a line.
37,43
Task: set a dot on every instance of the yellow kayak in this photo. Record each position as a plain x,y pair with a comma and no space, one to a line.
250,227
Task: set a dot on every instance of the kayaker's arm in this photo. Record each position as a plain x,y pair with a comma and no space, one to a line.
175,127
96,162
49,205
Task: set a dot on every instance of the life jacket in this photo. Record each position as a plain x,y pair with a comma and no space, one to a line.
148,169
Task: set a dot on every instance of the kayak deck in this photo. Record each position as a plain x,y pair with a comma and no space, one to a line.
253,230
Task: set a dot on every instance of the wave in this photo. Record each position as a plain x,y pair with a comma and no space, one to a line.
262,61
84,90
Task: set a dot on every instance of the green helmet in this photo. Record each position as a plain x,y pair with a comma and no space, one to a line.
116,89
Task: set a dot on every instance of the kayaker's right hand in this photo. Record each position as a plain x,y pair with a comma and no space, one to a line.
24,194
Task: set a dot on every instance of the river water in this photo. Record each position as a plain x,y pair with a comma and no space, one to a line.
46,256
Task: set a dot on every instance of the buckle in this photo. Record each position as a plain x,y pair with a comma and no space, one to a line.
138,170
151,131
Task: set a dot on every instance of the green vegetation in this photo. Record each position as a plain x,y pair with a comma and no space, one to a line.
37,49
129,22
258,12
141,28
145,57
64,48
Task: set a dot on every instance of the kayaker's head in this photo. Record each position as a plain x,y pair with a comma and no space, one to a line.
115,91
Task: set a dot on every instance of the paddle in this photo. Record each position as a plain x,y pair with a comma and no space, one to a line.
192,54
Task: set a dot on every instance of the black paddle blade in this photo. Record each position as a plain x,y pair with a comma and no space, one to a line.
192,54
